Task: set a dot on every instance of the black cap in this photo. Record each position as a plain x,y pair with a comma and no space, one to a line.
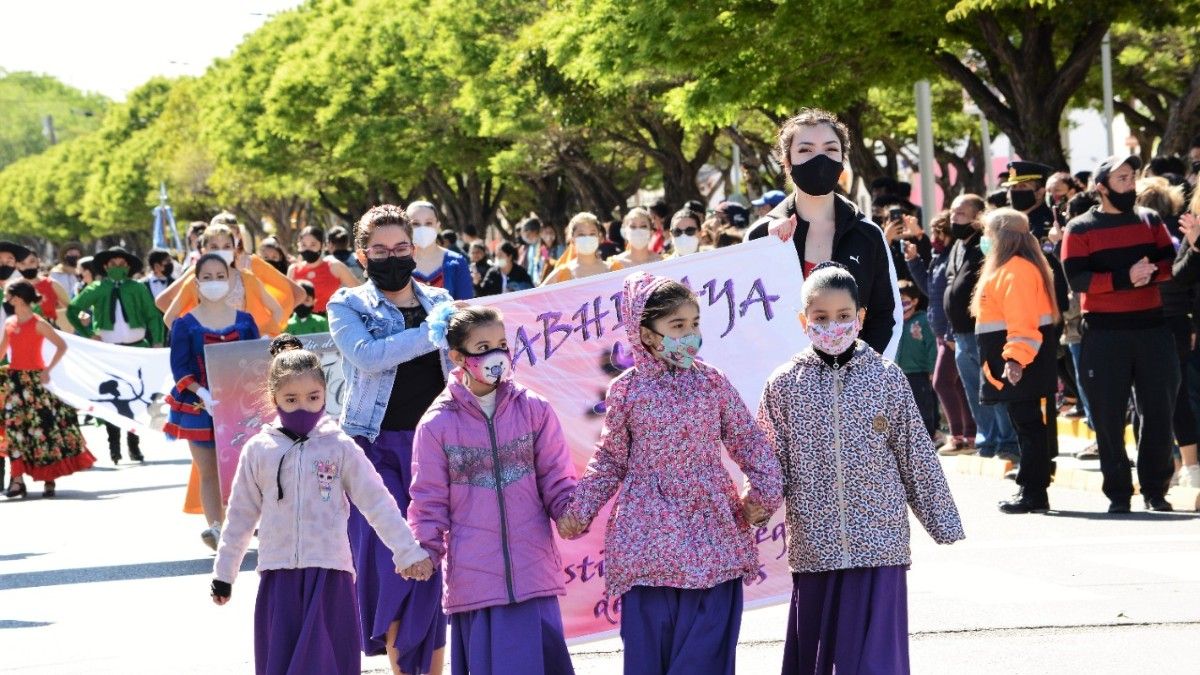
737,214
18,251
1115,162
1021,171
101,260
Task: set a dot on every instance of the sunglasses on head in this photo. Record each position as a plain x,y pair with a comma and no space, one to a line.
690,231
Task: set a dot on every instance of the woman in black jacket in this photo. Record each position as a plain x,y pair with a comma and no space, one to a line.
827,226
507,276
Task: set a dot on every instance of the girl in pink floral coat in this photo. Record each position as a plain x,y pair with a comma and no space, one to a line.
679,541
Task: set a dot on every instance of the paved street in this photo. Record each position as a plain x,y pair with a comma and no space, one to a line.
111,577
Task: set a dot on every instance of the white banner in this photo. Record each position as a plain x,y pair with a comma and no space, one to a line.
124,386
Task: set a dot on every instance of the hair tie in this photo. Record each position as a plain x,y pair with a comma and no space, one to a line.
439,322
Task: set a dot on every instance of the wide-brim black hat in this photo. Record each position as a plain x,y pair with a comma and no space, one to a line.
100,260
1021,171
18,251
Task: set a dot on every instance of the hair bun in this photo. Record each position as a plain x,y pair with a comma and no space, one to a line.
284,342
830,264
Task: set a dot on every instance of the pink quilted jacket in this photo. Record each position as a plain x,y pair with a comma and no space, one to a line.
678,521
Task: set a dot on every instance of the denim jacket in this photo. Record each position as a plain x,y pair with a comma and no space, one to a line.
370,333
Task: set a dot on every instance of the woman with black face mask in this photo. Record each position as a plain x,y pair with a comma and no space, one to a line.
393,373
324,272
824,225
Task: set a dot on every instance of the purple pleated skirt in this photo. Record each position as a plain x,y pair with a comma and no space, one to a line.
679,631
305,623
384,596
848,622
525,638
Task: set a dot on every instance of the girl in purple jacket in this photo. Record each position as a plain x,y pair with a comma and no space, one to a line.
679,541
491,470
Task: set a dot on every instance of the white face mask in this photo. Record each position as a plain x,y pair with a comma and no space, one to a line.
686,244
587,245
638,238
424,236
226,255
214,290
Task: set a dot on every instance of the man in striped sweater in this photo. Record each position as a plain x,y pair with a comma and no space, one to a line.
1115,255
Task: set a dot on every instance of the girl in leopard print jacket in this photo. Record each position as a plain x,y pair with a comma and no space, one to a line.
855,455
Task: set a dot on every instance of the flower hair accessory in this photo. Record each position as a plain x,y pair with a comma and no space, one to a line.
439,322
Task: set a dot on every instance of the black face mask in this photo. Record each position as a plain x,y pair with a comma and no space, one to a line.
168,269
818,176
310,257
280,265
1122,201
961,230
303,311
1022,200
29,274
70,260
6,271
9,310
392,273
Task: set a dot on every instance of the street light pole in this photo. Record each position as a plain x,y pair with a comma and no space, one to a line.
924,98
1106,76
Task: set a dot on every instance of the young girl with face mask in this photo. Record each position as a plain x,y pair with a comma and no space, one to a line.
295,481
583,260
490,472
855,454
437,266
190,402
680,543
638,229
324,272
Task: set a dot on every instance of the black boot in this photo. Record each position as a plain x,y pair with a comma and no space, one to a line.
114,442
1027,501
1158,503
135,451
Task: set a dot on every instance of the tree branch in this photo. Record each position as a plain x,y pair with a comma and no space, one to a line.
992,107
1075,69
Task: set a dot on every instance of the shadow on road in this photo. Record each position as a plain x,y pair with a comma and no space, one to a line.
10,623
1135,515
8,557
84,575
84,496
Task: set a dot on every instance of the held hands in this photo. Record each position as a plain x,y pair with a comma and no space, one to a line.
206,398
754,512
570,527
1142,272
783,228
418,571
1013,372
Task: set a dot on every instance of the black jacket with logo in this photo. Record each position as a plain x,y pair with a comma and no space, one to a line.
858,244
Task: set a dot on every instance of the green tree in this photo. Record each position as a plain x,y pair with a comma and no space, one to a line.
27,99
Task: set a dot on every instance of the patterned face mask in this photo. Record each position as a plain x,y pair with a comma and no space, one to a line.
833,338
680,352
490,367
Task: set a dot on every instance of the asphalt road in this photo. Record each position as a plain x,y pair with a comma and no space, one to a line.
111,577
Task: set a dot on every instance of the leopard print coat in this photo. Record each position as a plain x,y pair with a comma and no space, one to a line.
854,453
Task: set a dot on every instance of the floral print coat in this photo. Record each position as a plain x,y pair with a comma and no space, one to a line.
678,521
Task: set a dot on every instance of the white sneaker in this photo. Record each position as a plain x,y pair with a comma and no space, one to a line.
1190,476
211,536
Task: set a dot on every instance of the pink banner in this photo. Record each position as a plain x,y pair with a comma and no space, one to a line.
568,346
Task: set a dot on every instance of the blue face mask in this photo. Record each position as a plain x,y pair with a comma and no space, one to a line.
985,244
680,352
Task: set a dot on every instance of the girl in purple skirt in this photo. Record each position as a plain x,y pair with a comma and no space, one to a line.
491,469
855,456
679,541
293,481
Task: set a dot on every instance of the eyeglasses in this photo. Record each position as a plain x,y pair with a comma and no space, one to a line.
382,252
690,231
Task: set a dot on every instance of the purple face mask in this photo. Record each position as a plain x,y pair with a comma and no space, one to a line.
300,421
490,367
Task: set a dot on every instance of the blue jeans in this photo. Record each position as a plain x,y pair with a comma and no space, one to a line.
1075,350
991,420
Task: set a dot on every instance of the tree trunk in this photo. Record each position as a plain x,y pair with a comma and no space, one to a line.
861,151
1026,90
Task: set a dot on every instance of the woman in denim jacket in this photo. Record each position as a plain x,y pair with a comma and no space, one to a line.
393,373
